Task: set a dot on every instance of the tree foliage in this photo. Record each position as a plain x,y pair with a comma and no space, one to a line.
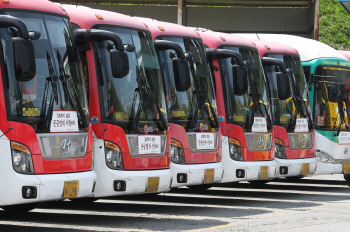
334,25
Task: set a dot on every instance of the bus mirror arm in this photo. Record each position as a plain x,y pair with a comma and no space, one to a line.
9,21
163,45
93,35
180,63
23,48
268,61
225,53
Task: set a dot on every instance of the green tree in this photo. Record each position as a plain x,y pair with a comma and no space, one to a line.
334,25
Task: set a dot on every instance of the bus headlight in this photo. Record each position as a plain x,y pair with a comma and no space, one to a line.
235,149
114,159
280,151
22,158
177,152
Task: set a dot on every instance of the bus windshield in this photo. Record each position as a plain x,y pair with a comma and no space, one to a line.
29,102
199,97
239,108
327,113
284,111
138,98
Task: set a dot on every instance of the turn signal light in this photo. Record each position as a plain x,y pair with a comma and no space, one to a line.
62,8
222,38
161,28
267,46
98,16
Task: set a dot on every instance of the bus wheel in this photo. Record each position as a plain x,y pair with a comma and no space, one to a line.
199,188
258,182
84,200
23,208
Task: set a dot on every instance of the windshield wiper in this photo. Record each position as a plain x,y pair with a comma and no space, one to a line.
200,95
54,96
147,99
68,88
256,105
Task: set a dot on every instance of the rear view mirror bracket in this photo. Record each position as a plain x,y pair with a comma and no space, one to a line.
23,48
180,63
163,45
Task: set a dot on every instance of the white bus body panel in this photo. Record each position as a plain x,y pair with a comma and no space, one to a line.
195,173
252,168
295,166
49,186
335,151
136,181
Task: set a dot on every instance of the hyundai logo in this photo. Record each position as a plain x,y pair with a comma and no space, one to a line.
303,140
66,145
261,141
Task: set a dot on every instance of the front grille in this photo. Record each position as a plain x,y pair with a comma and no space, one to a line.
258,141
74,145
300,140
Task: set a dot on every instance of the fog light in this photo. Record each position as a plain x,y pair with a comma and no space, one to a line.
181,178
240,173
29,192
119,185
283,170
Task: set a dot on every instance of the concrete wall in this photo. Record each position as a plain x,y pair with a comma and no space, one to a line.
297,21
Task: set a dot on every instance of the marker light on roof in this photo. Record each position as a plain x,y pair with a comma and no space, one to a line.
5,1
197,32
98,16
253,43
145,24
58,5
222,38
267,46
161,28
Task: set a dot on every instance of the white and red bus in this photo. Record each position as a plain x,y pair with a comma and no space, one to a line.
243,106
192,114
127,103
46,136
293,125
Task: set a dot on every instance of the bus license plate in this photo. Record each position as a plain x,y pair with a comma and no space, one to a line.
305,169
209,175
264,172
152,184
346,168
71,189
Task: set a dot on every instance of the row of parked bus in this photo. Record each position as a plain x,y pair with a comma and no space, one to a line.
96,104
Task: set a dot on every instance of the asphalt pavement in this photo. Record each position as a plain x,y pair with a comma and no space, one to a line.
320,203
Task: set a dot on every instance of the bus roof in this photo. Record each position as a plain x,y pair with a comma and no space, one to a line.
346,54
308,49
160,28
36,5
268,47
215,39
87,17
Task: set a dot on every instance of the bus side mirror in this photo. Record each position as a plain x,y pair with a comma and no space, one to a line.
24,59
181,74
240,80
283,86
332,93
119,63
